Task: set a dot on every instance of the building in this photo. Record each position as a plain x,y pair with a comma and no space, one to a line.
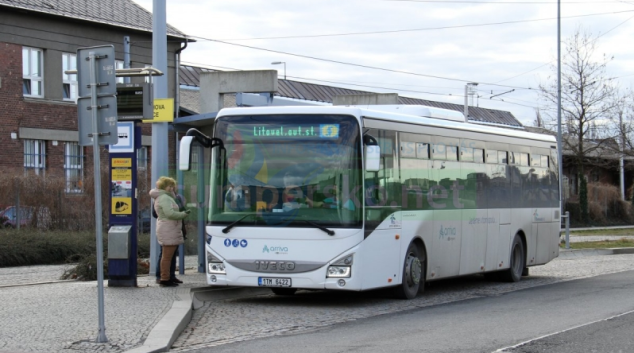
38,42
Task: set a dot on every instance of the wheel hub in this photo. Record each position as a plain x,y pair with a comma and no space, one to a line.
413,270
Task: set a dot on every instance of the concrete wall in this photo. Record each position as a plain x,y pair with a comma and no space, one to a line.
214,85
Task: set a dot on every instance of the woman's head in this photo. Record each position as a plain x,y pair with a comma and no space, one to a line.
164,182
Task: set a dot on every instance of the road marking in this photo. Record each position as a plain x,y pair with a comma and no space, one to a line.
501,350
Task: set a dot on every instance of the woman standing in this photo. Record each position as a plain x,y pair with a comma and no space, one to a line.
168,225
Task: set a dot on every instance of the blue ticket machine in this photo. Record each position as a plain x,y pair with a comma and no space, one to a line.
122,234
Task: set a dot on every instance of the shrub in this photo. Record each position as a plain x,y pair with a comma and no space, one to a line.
606,206
62,210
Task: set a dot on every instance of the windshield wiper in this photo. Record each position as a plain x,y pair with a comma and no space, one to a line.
328,231
228,228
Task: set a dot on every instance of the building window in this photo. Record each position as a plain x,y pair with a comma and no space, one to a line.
69,62
32,72
118,64
74,167
35,156
141,158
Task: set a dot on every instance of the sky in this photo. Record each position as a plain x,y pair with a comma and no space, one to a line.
416,48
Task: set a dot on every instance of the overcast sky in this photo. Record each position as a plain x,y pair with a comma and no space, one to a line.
437,45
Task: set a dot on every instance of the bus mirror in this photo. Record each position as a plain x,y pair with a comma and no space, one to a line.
372,154
185,152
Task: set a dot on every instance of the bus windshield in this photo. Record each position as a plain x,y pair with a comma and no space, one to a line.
287,170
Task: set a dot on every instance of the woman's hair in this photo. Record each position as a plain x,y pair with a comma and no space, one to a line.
164,182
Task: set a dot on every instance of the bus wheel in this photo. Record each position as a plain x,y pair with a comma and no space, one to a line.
413,274
514,273
284,291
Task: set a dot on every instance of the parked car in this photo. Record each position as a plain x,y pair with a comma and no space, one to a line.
9,216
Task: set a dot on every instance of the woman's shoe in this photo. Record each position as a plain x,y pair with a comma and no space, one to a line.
168,284
176,280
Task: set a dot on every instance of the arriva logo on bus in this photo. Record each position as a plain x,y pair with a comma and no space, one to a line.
275,249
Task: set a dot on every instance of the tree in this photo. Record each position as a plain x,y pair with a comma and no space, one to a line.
588,101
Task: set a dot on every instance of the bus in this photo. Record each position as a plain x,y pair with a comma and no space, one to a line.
361,198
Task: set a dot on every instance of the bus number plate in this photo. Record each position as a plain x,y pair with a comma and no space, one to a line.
274,282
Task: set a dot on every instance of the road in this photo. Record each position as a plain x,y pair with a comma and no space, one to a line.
567,316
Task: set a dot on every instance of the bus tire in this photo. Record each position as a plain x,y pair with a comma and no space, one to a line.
413,274
284,291
517,262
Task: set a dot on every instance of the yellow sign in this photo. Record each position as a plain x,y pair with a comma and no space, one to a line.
121,174
121,162
121,205
163,111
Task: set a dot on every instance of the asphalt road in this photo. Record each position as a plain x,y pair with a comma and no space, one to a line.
587,315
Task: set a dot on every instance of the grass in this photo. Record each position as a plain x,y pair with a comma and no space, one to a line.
604,244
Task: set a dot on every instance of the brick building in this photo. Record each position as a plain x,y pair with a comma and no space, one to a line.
38,42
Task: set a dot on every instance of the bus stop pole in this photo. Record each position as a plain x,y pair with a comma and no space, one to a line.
567,230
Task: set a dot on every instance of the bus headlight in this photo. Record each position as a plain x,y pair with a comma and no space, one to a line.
338,272
342,268
215,265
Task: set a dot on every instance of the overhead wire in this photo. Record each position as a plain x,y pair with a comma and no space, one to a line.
421,29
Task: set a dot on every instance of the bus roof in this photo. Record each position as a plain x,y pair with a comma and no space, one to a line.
407,114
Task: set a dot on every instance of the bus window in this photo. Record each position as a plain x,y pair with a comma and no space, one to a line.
408,149
544,161
452,153
439,151
502,157
521,159
422,150
492,157
511,158
478,155
535,160
466,154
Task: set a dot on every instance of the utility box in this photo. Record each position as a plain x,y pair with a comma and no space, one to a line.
119,242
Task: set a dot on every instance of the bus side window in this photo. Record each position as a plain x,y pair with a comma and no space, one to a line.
466,154
536,160
502,157
452,153
439,151
492,157
478,155
422,150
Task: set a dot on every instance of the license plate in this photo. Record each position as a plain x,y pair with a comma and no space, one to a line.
274,282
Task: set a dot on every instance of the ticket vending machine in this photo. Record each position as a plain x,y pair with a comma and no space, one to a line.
122,234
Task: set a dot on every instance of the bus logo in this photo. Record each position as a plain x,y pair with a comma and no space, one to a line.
329,130
275,249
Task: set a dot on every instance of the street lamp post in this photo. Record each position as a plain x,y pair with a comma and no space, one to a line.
280,62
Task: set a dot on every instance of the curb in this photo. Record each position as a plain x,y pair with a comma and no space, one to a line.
567,253
169,327
172,324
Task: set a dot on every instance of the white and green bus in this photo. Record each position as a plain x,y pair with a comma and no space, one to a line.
351,198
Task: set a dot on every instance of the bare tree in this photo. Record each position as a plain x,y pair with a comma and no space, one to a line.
588,100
